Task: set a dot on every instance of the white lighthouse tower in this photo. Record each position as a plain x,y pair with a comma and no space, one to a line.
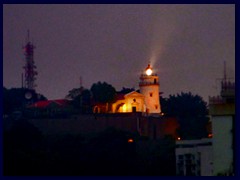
149,87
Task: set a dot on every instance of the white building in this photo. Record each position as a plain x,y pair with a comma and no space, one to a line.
131,102
149,87
194,157
222,113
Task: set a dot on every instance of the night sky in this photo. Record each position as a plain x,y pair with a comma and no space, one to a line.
186,45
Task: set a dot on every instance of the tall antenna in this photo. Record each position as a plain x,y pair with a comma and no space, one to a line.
29,68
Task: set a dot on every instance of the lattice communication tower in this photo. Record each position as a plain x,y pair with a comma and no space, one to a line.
29,68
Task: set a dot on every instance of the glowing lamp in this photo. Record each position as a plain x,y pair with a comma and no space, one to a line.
148,70
178,138
210,135
130,140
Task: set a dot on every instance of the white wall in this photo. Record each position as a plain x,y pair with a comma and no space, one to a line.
222,143
206,160
201,151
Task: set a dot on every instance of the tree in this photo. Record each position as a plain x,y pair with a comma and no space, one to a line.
126,90
83,101
75,92
110,153
18,98
191,112
103,92
22,143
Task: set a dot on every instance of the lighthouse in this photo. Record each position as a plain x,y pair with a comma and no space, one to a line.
149,87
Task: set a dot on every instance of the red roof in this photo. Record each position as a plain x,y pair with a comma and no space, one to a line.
44,104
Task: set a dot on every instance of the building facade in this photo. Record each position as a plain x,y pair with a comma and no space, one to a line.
131,102
222,114
194,157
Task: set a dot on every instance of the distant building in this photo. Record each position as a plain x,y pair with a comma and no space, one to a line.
138,112
222,113
131,102
194,157
49,108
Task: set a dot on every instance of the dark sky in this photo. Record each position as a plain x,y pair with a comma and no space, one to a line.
186,45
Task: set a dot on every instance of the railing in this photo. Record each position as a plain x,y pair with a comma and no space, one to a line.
216,100
227,85
145,75
148,83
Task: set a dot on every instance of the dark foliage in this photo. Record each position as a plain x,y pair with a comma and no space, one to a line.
158,158
82,101
16,99
103,92
191,112
23,149
28,152
126,90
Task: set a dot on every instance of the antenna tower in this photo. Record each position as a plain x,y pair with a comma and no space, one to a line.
29,68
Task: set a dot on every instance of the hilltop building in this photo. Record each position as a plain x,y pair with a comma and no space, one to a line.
146,101
131,102
49,109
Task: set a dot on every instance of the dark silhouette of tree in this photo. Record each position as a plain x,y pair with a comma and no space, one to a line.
18,98
81,99
75,92
65,154
85,101
23,148
103,92
126,90
110,153
191,112
164,157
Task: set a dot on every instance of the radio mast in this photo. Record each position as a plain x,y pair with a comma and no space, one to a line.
29,68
